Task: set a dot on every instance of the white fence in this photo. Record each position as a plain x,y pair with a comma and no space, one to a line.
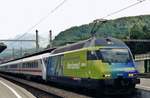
143,57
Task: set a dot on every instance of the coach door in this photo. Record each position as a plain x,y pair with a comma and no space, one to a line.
55,66
59,66
50,68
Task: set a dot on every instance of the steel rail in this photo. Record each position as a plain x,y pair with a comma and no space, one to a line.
46,88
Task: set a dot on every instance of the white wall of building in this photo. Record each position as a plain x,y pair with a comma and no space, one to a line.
140,66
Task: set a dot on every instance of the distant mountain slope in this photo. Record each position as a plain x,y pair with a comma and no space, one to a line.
27,45
138,27
14,48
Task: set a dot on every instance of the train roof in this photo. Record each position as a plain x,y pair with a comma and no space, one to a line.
105,42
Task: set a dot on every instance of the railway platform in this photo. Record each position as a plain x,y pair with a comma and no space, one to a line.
10,90
145,84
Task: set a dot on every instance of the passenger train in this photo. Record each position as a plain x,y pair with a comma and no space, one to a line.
96,63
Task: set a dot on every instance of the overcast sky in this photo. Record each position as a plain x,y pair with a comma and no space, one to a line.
17,16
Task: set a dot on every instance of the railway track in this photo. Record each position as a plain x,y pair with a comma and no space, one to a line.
42,90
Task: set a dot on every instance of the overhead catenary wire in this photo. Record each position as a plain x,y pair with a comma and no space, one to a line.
93,31
120,10
43,18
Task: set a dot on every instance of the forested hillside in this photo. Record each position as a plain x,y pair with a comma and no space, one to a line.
137,27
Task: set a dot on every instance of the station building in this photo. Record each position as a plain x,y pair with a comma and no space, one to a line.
143,62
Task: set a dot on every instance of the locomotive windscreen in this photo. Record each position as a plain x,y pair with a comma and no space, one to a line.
114,55
111,55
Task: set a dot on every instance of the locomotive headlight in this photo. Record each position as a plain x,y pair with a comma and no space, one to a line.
107,75
130,75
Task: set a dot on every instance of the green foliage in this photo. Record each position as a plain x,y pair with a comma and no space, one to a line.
137,27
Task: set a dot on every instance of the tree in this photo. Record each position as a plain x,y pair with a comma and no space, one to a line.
137,32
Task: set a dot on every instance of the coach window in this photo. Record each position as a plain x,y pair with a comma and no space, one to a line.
22,65
32,64
25,65
35,64
29,64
